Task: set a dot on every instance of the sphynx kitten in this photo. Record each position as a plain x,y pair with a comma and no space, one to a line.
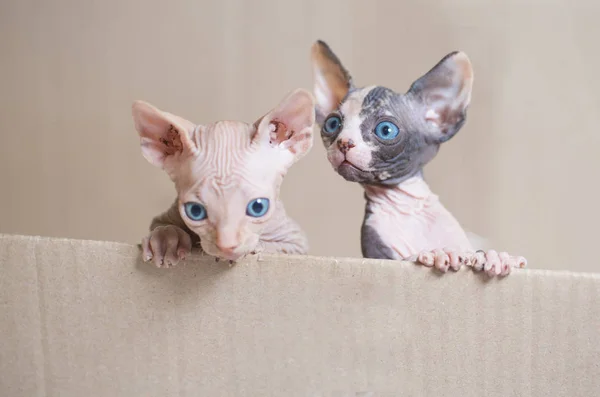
227,176
382,140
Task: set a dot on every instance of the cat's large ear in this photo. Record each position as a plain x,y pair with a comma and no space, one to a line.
164,137
331,80
444,94
288,128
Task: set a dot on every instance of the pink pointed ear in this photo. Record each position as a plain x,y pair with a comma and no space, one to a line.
289,127
331,80
445,94
162,135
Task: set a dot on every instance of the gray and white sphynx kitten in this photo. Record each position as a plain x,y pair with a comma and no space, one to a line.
227,176
382,140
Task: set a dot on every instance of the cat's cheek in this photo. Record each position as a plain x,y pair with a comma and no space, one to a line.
254,229
209,247
249,238
335,157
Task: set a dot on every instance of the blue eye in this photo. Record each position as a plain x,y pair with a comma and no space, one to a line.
257,207
386,130
195,211
332,124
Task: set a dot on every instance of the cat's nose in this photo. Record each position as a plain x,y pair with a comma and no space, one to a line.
345,145
227,250
227,242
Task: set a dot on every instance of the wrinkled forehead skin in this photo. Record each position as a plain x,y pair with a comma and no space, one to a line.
381,162
229,169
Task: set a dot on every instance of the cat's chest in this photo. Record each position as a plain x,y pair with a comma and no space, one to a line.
409,228
401,219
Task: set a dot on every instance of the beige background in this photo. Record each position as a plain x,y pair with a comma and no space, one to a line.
522,172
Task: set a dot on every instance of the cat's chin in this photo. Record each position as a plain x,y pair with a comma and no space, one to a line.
351,173
212,250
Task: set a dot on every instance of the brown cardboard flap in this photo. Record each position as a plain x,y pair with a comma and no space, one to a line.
87,318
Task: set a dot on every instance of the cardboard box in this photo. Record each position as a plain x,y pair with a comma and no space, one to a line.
88,318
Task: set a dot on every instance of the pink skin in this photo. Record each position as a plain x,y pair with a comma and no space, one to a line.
414,224
224,166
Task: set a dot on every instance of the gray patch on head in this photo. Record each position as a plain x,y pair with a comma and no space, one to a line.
398,159
395,160
372,246
377,97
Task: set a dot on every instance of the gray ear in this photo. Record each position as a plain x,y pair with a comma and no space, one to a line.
445,94
331,80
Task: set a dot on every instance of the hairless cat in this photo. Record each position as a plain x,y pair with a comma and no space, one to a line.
227,176
382,140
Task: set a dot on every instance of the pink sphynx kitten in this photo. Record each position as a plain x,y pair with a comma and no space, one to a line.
382,140
227,176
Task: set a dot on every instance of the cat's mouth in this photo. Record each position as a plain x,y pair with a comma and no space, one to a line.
211,248
346,163
352,173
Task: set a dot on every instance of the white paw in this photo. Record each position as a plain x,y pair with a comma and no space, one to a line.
258,251
443,259
496,264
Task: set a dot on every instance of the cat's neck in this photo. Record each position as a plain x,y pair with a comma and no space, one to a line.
410,193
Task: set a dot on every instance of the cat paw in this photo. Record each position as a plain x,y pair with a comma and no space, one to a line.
258,251
231,262
443,259
496,263
166,246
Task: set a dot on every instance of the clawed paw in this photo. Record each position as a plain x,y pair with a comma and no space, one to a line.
496,264
490,262
443,259
166,246
258,250
229,261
